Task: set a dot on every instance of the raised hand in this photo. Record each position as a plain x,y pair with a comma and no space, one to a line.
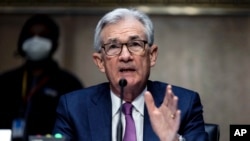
165,119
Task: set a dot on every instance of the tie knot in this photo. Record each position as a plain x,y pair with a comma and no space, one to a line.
127,108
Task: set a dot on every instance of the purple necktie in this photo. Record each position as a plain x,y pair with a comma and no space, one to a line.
130,132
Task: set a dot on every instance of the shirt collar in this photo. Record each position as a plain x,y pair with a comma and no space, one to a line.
138,103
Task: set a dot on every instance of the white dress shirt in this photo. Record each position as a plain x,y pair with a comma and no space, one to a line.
137,113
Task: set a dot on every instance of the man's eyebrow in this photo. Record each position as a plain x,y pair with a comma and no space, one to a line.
114,40
111,40
134,37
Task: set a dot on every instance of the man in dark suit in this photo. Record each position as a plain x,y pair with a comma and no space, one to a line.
125,50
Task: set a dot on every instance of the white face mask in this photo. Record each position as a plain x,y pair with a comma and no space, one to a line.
37,48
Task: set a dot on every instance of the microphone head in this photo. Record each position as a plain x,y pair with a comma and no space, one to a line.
123,82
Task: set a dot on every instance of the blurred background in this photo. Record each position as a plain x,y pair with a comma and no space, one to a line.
204,45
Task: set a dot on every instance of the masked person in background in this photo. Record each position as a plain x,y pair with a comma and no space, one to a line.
30,93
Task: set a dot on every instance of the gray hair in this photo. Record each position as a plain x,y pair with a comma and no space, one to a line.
117,15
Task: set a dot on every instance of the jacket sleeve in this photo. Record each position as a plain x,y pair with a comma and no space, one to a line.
192,126
62,124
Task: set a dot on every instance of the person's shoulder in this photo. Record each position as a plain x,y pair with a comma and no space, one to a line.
65,73
89,91
86,96
12,73
62,75
178,90
57,71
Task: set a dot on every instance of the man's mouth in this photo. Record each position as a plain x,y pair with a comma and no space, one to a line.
126,70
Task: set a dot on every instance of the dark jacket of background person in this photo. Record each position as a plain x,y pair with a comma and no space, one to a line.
30,95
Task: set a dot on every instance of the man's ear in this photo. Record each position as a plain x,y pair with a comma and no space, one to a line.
97,57
153,55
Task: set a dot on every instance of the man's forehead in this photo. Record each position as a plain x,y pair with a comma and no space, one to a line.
123,30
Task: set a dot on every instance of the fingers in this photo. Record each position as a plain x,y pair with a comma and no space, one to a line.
170,101
149,102
165,119
168,95
177,120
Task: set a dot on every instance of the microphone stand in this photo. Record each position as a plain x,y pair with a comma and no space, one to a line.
122,83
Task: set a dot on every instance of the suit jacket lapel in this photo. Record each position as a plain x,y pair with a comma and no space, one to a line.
100,114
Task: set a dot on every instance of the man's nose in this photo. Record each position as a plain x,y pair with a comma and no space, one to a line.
125,53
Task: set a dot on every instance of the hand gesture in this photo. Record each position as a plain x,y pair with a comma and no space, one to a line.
165,120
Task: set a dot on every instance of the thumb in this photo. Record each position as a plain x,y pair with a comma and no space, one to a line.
149,101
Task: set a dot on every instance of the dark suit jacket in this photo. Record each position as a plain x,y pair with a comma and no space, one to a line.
85,115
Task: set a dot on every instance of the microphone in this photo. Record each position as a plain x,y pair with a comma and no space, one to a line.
122,83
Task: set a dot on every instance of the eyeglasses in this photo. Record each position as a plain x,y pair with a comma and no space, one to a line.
134,46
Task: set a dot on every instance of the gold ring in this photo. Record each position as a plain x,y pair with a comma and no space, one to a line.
172,116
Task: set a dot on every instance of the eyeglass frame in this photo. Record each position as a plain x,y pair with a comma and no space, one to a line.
126,44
